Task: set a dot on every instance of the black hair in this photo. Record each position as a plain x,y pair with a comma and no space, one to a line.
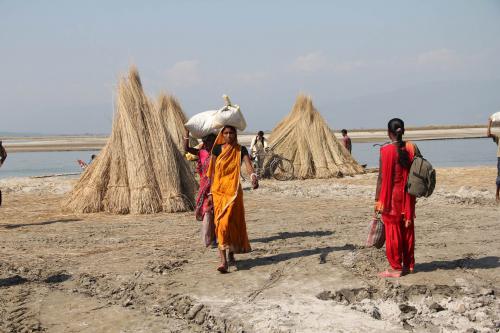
209,137
229,126
397,127
344,131
261,134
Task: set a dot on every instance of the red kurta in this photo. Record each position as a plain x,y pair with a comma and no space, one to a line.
397,206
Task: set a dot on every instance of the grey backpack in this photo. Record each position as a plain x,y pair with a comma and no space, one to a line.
422,177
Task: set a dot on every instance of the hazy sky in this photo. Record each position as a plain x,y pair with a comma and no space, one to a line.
430,62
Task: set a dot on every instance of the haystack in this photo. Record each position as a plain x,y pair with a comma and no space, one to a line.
177,188
305,138
140,170
174,119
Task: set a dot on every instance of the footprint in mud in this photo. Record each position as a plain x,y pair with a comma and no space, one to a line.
165,266
19,314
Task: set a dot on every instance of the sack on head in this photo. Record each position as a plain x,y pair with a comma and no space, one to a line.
230,116
422,178
201,124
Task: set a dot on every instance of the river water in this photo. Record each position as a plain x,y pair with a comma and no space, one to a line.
441,153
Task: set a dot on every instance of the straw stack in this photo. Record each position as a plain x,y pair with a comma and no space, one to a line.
168,163
117,199
140,170
305,138
89,192
174,119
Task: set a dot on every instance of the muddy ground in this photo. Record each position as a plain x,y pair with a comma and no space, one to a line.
308,271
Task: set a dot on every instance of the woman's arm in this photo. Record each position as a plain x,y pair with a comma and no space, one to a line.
211,177
188,149
379,180
250,171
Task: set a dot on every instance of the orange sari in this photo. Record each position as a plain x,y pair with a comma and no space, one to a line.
229,212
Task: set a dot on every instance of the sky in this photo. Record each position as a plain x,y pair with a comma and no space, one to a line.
363,62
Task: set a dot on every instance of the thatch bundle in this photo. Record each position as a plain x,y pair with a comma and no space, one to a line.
140,170
174,118
305,138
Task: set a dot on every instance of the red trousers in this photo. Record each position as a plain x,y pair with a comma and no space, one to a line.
399,242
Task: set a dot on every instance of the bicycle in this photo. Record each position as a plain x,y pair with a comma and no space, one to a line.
270,164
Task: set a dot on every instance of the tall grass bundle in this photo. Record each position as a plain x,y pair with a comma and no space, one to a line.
133,107
88,193
304,137
168,163
174,119
117,198
140,170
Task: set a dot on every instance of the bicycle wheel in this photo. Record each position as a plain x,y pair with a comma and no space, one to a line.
282,169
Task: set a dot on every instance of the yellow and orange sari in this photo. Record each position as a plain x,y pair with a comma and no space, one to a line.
229,212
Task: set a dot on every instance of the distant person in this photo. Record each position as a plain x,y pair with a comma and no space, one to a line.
395,204
84,165
346,141
3,157
204,210
496,140
258,149
3,154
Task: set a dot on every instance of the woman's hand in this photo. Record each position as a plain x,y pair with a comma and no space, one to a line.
408,223
255,181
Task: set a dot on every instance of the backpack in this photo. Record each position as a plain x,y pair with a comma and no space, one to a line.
422,177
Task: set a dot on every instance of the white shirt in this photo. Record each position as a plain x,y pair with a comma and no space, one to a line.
256,145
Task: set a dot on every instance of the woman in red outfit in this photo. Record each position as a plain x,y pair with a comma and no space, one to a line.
395,204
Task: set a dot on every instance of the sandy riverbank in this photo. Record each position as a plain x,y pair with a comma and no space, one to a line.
308,271
77,143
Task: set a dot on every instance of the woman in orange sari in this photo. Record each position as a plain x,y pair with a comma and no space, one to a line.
227,195
395,204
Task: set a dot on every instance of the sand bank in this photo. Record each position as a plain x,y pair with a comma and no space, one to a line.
74,143
308,271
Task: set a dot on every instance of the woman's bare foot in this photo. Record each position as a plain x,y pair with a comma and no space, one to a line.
223,268
230,259
390,273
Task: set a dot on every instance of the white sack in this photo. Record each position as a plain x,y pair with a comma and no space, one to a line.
230,116
201,124
495,117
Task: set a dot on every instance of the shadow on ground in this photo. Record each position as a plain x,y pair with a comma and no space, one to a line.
20,225
12,281
465,263
286,235
263,261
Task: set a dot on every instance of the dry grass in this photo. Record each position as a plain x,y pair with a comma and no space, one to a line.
133,107
140,170
89,192
117,199
304,137
174,119
168,162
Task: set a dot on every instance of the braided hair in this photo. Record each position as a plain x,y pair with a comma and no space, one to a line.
397,127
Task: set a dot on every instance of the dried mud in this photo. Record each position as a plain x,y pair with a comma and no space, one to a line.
308,271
